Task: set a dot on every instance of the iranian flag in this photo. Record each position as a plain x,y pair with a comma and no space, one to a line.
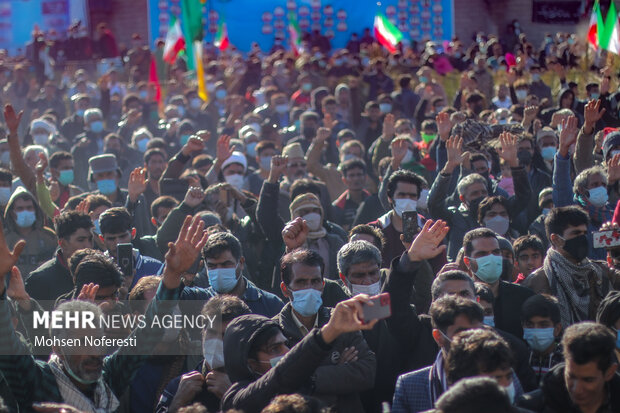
610,23
596,20
614,40
386,33
221,38
294,32
174,41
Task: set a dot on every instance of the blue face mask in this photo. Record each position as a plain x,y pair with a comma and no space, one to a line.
273,361
539,339
594,96
223,280
141,144
96,126
489,268
80,113
66,177
25,219
423,79
97,227
598,196
307,302
250,148
183,139
265,163
5,195
106,186
181,110
489,320
545,211
220,94
548,152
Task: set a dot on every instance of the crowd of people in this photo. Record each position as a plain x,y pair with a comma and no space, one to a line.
283,203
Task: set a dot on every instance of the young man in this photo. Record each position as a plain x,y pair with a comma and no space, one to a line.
116,228
475,395
354,177
155,162
608,314
24,221
587,381
340,378
261,366
61,171
578,282
484,264
529,254
53,279
542,329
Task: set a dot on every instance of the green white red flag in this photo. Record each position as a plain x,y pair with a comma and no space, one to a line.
386,33
174,41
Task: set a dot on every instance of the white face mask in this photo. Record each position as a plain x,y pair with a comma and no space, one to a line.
423,199
213,352
408,157
40,138
235,180
498,223
371,290
313,220
404,204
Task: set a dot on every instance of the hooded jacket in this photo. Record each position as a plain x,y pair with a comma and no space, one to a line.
41,242
250,391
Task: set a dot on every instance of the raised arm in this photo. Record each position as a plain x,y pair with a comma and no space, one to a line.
18,163
267,209
584,147
562,184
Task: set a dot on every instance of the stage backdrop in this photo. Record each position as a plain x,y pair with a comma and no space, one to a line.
18,17
264,20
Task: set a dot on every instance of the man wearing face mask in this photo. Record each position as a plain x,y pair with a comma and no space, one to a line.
225,264
89,144
73,125
195,113
6,180
24,220
484,263
208,382
350,369
309,125
472,189
578,282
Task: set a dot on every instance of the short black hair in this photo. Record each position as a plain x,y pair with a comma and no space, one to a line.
558,219
541,305
97,269
474,234
164,201
304,186
483,292
350,164
478,156
228,306
475,395
154,152
261,339
403,175
444,311
304,256
68,222
371,230
477,351
97,200
264,145
588,341
6,175
115,220
528,241
58,157
219,242
452,275
608,311
487,203
77,258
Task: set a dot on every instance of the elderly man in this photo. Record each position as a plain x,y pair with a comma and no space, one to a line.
84,378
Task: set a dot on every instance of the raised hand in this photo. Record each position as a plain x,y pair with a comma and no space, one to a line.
454,148
529,114
592,113
329,121
224,151
399,151
83,207
40,167
183,253
426,244
604,85
8,258
17,290
443,125
137,183
348,316
508,149
322,135
295,233
568,136
388,127
511,77
12,119
278,166
613,170
194,144
88,292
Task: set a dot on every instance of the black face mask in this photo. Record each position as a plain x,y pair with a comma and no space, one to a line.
473,206
577,247
525,157
308,132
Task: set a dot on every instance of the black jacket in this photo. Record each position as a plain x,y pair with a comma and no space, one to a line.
251,392
507,307
48,282
553,397
335,384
